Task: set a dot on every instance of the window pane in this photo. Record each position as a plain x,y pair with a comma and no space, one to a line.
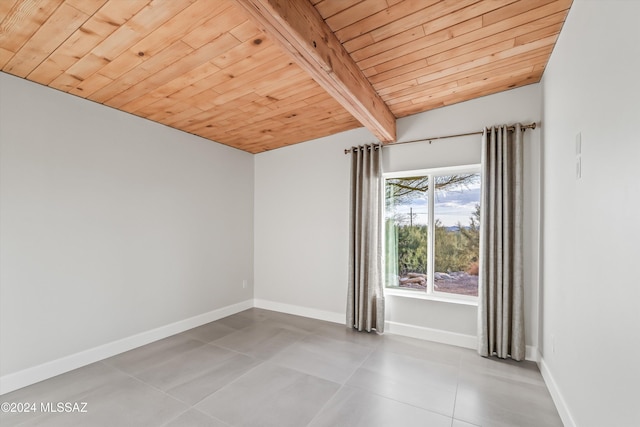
406,219
457,233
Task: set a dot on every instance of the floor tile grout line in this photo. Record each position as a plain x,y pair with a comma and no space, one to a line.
185,333
126,374
322,408
105,360
316,376
403,402
373,350
455,396
189,405
141,381
343,385
261,362
176,417
252,356
393,399
192,406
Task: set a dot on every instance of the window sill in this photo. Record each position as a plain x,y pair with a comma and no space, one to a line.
423,295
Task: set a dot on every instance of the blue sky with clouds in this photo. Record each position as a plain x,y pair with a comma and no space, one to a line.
451,207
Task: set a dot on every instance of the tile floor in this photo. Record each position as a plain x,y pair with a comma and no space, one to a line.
263,368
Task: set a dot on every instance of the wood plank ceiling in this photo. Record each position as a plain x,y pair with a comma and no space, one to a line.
214,69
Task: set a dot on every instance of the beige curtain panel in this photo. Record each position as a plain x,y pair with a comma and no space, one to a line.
365,302
500,305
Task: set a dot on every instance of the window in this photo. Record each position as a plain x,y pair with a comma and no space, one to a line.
432,231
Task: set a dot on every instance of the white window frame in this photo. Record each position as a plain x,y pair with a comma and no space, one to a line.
430,293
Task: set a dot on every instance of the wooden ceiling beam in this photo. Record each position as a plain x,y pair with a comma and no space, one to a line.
298,27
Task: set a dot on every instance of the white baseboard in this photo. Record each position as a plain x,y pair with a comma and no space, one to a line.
556,395
531,354
444,337
468,341
412,331
313,313
25,377
429,334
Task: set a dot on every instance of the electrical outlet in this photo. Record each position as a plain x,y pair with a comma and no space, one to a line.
553,344
244,284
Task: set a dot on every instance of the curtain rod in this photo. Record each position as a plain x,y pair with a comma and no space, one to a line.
511,128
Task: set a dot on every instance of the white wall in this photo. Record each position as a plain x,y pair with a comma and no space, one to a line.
111,225
301,211
300,226
590,319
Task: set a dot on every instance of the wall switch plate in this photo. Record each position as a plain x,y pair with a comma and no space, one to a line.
578,168
244,284
579,155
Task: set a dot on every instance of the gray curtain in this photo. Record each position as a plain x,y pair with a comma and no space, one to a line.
365,302
500,305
